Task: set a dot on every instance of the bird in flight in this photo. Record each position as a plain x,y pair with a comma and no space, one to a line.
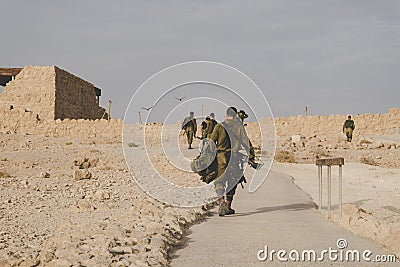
180,99
147,108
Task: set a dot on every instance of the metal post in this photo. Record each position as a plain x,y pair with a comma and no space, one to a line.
340,191
320,187
329,191
109,109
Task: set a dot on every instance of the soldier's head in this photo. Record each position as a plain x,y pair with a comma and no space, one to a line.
191,114
212,116
207,118
231,112
349,117
242,115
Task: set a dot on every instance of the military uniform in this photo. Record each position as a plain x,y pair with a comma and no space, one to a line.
348,128
229,136
209,127
190,127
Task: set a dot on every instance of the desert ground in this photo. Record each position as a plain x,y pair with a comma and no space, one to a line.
68,202
73,202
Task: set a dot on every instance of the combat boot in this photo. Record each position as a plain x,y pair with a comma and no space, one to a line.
222,207
229,210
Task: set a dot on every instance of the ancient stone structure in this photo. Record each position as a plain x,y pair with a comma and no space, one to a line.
366,124
50,93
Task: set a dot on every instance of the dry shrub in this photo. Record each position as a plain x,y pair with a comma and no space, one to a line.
365,141
368,160
4,175
285,156
321,152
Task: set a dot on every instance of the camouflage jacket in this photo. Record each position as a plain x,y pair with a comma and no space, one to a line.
238,137
210,127
189,123
349,124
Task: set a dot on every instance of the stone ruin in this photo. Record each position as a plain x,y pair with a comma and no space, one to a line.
48,93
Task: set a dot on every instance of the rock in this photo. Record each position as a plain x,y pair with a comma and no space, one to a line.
121,263
46,256
44,175
85,163
120,250
82,174
101,195
298,140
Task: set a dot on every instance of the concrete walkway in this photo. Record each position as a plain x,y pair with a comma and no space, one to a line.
279,215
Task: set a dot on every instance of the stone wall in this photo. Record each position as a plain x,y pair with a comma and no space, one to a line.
366,124
20,121
52,93
33,90
75,97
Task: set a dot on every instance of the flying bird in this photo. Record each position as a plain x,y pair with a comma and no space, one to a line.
147,108
180,99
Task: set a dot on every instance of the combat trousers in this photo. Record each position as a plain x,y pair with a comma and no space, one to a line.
349,133
189,135
228,175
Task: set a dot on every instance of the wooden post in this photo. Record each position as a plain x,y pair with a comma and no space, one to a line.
109,110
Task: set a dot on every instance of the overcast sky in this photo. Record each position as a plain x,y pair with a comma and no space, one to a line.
336,57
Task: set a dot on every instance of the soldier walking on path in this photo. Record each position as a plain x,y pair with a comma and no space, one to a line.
348,128
229,136
189,125
211,123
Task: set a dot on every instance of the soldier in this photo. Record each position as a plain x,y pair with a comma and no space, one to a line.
204,125
189,125
348,128
229,136
211,122
242,115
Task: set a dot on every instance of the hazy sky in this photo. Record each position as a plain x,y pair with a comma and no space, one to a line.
336,57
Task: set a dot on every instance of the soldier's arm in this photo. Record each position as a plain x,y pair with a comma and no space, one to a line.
195,125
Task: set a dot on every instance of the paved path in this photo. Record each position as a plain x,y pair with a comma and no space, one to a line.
279,215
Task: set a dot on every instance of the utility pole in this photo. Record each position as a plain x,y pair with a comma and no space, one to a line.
306,111
109,110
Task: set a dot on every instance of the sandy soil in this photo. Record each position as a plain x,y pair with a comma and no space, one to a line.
65,202
74,202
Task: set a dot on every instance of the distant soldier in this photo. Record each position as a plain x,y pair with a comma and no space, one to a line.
348,128
189,125
211,122
204,127
229,136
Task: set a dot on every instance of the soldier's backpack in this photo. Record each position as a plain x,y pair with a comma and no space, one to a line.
206,163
